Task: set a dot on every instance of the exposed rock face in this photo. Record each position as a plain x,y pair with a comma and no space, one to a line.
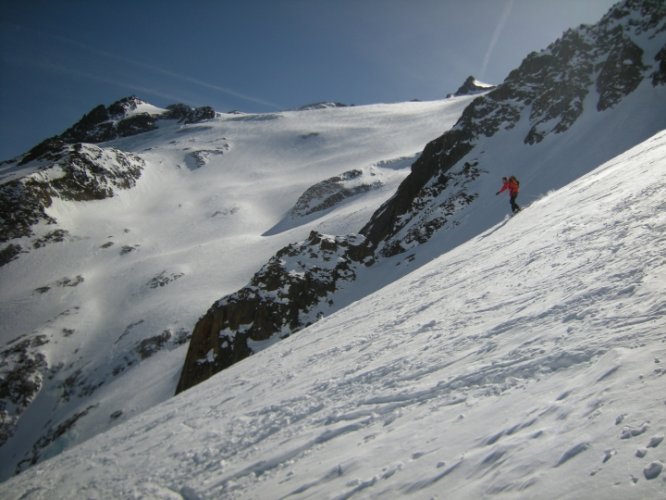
287,294
22,370
659,76
186,114
107,123
50,437
426,181
47,150
70,168
79,172
9,253
120,119
472,86
330,192
202,157
322,105
25,373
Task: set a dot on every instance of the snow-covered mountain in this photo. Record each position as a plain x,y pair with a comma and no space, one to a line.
528,362
589,96
111,251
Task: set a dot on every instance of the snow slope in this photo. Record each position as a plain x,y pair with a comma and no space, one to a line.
107,310
588,97
95,314
527,362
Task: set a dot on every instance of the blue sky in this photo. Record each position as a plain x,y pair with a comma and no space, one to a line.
59,59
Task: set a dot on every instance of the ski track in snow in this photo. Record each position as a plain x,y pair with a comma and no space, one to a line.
528,362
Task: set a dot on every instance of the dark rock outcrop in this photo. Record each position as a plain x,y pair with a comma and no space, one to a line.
80,172
426,180
9,253
659,75
330,192
549,87
286,295
50,437
186,114
322,105
119,119
471,86
47,150
106,123
22,371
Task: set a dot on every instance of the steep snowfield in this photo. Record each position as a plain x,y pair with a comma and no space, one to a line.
135,271
527,362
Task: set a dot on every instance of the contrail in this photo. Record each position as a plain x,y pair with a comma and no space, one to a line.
77,73
496,34
178,76
156,69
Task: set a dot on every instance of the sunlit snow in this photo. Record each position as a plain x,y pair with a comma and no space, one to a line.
529,361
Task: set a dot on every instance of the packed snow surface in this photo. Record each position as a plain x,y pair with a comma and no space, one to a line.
529,362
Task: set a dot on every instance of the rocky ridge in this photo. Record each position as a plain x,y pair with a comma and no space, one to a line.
25,369
79,172
71,167
471,86
549,88
290,292
125,117
330,192
322,105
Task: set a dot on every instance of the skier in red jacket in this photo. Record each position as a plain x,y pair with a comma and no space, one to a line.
513,186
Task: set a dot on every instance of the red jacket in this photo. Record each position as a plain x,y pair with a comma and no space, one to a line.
511,185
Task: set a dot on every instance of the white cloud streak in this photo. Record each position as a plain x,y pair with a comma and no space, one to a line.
496,34
148,67
50,67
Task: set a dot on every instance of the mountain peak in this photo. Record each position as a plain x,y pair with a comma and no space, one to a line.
123,107
472,86
125,117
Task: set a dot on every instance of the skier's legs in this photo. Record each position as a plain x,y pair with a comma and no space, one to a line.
514,205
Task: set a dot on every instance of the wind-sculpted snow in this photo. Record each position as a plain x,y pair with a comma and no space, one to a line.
116,287
527,362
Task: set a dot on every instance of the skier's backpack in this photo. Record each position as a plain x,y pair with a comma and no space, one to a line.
513,179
